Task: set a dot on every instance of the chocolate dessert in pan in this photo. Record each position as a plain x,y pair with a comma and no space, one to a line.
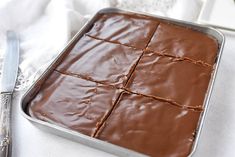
134,81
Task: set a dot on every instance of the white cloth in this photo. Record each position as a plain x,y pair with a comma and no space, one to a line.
45,26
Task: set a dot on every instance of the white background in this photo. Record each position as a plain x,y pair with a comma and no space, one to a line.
48,30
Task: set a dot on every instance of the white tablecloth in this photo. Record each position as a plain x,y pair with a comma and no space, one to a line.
217,139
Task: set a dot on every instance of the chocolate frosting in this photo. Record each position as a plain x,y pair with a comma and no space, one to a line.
151,127
184,42
162,69
178,80
101,61
73,103
128,30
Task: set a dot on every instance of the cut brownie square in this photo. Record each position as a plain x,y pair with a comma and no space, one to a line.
134,31
73,103
150,126
180,81
100,61
182,42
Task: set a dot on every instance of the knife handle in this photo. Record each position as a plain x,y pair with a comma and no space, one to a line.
5,109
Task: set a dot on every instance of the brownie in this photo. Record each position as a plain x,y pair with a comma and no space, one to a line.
134,31
151,127
184,42
177,80
100,61
73,103
134,81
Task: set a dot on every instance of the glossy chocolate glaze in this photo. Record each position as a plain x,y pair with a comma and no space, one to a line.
73,103
133,31
178,80
151,127
100,61
165,69
182,42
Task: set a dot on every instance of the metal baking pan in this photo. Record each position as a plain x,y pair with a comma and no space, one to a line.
96,143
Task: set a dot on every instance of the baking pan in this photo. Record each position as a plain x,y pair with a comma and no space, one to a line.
96,143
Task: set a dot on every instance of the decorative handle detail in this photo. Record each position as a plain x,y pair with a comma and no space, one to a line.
5,109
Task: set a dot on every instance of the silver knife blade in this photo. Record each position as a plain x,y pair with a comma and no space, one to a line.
10,63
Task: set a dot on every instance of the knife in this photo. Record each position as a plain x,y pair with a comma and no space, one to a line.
9,76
